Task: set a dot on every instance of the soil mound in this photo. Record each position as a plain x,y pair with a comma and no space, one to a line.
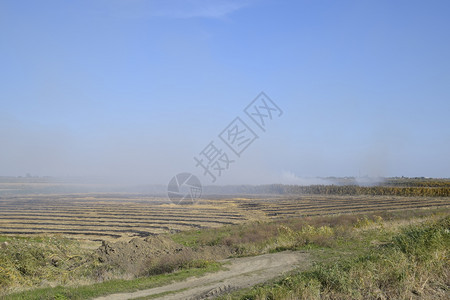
134,255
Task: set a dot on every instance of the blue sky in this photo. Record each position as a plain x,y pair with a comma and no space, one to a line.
132,90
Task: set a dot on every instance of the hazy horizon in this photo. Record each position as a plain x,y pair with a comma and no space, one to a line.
132,91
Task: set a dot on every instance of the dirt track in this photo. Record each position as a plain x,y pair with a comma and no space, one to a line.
240,273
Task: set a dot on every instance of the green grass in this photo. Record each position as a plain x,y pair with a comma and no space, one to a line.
112,286
322,232
4,238
413,263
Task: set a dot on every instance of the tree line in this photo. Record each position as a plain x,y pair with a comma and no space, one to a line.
379,190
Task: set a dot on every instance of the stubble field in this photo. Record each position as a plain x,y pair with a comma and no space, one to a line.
100,216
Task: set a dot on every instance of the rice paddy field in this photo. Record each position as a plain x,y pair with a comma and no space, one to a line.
117,216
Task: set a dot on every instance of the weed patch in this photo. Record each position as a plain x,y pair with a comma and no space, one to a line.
414,263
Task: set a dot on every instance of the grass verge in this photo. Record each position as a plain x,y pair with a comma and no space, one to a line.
113,286
414,263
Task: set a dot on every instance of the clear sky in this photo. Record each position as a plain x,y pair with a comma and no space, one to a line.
132,90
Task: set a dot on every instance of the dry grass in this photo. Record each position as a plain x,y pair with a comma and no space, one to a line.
412,264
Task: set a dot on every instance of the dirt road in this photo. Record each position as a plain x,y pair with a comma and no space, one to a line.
240,273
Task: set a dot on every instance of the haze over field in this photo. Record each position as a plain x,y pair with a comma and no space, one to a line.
131,91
